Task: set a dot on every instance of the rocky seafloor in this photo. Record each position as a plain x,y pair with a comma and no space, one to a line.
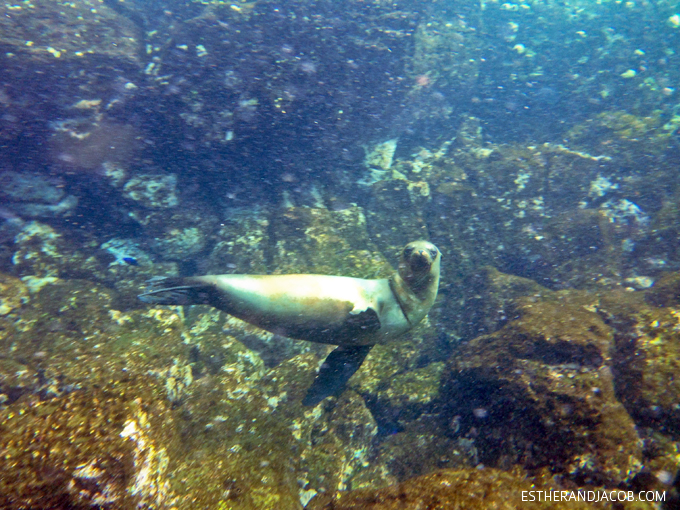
108,405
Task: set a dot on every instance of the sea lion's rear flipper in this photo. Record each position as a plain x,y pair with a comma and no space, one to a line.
163,290
335,371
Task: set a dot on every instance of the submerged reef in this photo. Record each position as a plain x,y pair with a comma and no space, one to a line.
548,359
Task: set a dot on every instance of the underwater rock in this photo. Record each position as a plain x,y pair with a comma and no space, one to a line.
101,447
491,300
41,253
446,53
558,214
242,245
90,143
152,376
223,99
419,387
470,488
391,231
418,447
272,349
646,360
340,445
55,56
269,451
153,191
83,424
401,381
665,292
639,139
177,234
298,240
647,370
524,209
13,294
406,188
319,241
540,391
62,208
180,244
33,196
645,364
71,34
379,159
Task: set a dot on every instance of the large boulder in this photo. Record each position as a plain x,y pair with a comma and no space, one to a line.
540,392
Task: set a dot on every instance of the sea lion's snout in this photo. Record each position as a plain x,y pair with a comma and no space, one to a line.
421,260
420,255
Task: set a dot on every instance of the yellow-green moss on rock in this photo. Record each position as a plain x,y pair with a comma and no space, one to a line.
472,488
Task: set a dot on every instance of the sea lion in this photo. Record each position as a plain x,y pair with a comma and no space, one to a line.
353,313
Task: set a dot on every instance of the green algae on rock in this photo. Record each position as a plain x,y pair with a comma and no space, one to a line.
421,447
42,255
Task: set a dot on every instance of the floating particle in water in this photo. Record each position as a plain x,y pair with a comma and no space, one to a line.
665,477
308,67
423,80
480,413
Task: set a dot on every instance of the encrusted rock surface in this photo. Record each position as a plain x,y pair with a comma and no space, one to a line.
486,488
540,391
105,446
153,376
326,242
186,414
575,383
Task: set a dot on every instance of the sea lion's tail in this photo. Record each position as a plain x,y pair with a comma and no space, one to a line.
164,290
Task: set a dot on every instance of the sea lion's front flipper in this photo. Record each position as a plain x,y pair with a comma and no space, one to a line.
335,371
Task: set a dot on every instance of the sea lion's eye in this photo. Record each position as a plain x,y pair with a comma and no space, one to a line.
434,252
408,251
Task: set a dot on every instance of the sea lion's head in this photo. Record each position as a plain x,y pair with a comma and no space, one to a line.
419,264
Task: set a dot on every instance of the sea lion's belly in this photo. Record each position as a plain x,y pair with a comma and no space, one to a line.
313,307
